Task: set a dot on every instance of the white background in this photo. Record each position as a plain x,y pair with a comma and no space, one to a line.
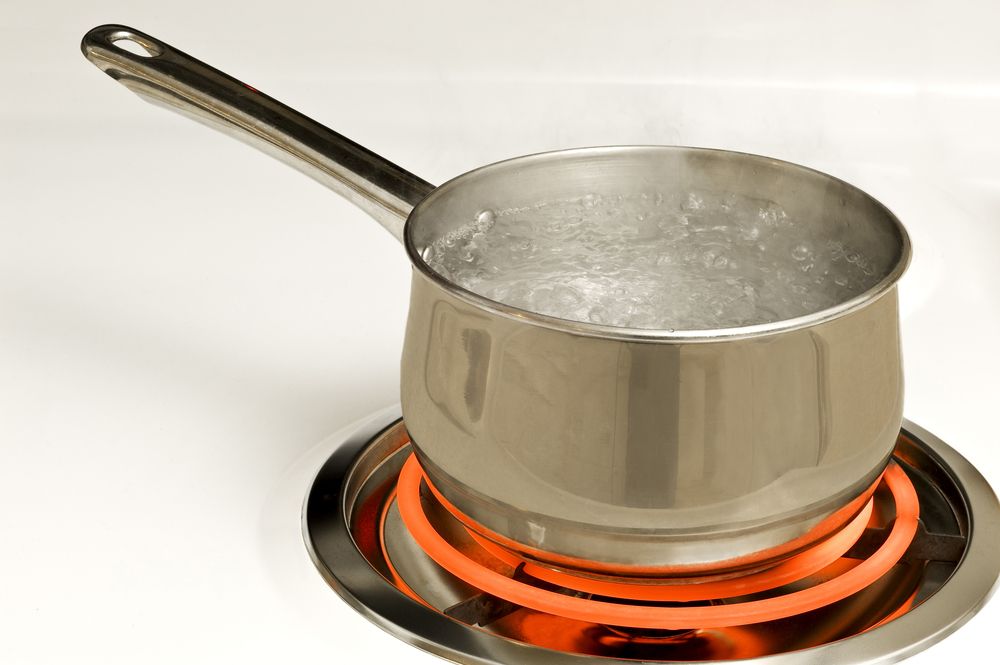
182,319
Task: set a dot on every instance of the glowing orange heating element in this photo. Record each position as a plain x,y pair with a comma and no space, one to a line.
672,618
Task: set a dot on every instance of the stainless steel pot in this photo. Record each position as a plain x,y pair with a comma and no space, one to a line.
616,450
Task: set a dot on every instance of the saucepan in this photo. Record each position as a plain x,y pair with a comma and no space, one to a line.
620,450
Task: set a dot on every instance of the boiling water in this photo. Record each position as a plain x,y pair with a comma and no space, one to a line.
643,261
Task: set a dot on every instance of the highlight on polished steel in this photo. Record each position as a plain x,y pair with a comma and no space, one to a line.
362,548
614,450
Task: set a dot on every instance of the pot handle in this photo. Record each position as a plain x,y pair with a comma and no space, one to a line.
167,77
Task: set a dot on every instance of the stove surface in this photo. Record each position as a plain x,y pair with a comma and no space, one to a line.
183,320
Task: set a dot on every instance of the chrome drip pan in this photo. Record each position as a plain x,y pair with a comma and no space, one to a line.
363,549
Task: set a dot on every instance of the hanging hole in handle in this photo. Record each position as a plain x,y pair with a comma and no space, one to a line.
135,45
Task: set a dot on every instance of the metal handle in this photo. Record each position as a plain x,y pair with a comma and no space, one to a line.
170,78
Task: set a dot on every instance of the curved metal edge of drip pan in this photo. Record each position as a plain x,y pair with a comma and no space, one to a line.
344,567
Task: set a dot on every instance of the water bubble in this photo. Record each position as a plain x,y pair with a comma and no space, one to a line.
801,252
597,315
693,202
772,214
485,220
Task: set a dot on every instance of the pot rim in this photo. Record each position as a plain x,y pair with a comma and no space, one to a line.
812,319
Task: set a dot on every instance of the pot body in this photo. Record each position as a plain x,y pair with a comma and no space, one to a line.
648,457
632,452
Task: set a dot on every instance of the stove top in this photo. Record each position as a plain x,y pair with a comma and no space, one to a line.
914,563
